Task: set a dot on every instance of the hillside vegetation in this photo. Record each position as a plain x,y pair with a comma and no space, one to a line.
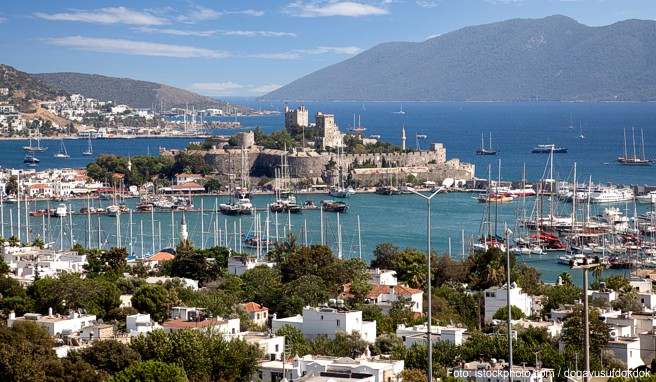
25,89
550,59
135,93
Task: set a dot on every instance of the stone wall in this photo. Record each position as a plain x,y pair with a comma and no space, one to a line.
427,165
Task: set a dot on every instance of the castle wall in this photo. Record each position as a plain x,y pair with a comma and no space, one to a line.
427,165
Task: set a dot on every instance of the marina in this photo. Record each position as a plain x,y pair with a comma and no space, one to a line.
457,219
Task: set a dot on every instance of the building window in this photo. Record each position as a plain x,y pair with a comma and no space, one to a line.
337,322
321,318
277,347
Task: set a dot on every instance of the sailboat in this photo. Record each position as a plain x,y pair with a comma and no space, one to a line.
581,136
62,153
634,160
400,112
358,128
89,150
37,148
31,160
483,150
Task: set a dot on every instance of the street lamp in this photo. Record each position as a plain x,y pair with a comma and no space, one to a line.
510,359
586,324
429,370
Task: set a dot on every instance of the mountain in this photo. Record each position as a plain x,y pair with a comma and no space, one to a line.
135,93
24,88
554,58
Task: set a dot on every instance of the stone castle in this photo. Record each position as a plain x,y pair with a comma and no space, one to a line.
322,167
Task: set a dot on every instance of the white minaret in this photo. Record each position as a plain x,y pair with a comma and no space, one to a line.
183,230
129,164
403,138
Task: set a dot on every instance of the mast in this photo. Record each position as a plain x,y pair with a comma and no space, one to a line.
634,149
626,155
642,140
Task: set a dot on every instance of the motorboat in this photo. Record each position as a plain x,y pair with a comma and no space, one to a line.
648,198
548,148
61,210
611,195
334,206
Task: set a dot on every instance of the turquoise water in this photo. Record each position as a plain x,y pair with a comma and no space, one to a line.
515,128
400,219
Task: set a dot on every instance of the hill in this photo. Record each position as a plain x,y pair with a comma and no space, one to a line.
554,58
25,89
135,93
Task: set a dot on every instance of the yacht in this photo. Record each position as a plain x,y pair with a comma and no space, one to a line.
648,198
611,195
61,210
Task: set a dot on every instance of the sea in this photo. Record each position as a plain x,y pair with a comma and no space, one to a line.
456,218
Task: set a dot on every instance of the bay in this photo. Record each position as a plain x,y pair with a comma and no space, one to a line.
515,129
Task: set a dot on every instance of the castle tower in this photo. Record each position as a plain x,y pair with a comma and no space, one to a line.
184,234
403,138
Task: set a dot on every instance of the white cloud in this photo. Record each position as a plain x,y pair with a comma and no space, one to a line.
258,33
215,88
198,14
252,12
2,20
137,48
427,4
277,56
230,88
178,32
505,1
329,49
264,89
323,8
117,15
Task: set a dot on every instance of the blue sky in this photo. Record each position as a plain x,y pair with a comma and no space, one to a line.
246,47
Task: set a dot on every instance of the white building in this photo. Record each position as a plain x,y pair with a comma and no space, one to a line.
56,324
137,324
496,298
627,350
257,313
373,370
237,265
328,321
271,345
385,295
382,276
418,334
183,317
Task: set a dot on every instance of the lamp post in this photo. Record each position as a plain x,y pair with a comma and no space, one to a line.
429,370
510,359
586,323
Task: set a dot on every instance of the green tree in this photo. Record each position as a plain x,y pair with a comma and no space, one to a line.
294,340
109,355
152,299
628,302
151,371
559,295
502,313
566,279
387,343
212,185
572,333
386,255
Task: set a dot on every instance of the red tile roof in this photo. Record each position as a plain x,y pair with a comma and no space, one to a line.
253,307
378,289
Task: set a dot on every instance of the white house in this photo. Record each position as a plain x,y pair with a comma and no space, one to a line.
257,313
496,298
627,350
648,300
187,178
328,321
382,276
137,324
385,295
338,369
271,345
418,334
237,265
183,317
56,324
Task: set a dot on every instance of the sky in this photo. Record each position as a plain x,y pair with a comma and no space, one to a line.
248,48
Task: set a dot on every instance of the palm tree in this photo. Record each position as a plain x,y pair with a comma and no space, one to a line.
38,243
13,241
566,279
